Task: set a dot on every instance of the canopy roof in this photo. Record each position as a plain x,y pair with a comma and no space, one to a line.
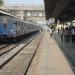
60,9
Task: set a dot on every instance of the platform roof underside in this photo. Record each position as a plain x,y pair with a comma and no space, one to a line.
60,9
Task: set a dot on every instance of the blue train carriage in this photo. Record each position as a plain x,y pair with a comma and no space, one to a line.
32,27
7,25
12,28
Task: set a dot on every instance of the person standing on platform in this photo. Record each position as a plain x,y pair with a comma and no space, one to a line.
51,33
62,33
73,34
67,34
58,30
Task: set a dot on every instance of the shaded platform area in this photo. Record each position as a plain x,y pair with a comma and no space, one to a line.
49,59
68,48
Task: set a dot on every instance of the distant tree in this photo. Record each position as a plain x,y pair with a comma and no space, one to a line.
1,2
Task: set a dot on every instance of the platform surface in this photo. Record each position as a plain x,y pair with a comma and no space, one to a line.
51,60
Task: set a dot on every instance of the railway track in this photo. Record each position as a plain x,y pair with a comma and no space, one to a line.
6,48
3,46
24,54
10,51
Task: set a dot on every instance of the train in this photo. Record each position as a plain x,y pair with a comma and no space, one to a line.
13,28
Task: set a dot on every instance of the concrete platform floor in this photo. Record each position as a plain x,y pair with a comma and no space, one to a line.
68,48
49,59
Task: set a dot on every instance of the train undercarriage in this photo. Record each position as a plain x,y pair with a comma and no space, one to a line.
11,39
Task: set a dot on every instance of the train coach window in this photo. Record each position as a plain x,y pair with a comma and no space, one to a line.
5,21
15,22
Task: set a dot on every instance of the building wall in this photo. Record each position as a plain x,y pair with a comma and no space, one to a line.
29,13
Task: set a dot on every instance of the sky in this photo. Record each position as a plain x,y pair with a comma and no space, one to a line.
35,2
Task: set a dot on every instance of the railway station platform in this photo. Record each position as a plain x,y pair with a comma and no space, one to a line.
68,48
49,59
